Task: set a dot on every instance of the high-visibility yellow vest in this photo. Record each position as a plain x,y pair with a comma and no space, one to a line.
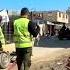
21,33
2,37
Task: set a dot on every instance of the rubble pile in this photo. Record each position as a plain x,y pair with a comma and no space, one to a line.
61,63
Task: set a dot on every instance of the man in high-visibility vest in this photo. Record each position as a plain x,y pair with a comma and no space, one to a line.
2,40
23,41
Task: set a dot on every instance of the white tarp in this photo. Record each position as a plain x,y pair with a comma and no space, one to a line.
50,23
4,15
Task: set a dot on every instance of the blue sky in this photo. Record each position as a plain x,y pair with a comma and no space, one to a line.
35,4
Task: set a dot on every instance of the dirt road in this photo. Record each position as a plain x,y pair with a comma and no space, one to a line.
42,55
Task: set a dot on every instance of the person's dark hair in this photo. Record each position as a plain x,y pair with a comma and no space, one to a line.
24,11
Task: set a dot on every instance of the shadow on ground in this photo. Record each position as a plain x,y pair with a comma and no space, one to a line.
53,42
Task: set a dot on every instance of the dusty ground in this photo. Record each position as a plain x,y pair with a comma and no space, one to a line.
50,59
46,59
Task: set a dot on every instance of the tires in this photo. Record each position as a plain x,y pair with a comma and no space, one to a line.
4,60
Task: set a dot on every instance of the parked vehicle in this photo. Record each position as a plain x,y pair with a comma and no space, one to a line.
64,33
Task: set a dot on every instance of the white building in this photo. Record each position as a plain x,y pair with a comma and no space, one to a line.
57,16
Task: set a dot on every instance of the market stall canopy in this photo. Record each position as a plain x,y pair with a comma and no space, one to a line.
50,23
5,17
